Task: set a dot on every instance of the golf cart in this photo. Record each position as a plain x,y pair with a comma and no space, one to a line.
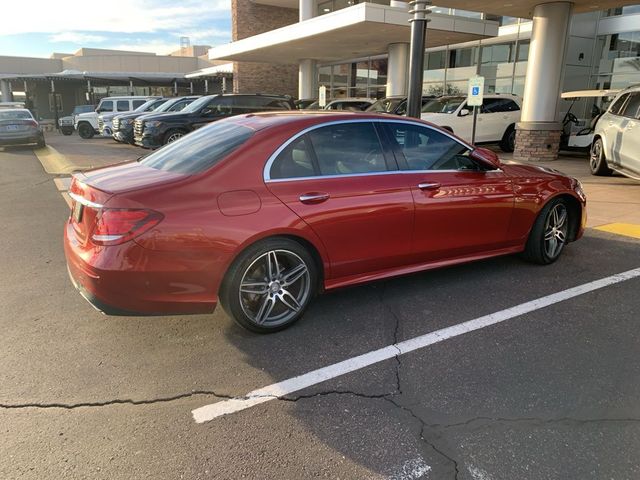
578,134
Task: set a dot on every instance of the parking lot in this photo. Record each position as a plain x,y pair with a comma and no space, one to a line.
503,388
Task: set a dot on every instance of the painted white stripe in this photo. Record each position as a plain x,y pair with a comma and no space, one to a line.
280,389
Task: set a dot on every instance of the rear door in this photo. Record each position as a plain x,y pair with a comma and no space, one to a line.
495,116
343,183
461,208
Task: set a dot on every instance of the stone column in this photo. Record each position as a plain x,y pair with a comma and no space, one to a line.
397,69
5,86
538,133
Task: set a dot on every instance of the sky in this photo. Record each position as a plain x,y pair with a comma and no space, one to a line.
40,27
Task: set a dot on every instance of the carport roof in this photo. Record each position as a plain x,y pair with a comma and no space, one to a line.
361,30
512,8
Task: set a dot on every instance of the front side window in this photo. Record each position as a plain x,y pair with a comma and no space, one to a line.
443,105
424,148
199,150
106,106
617,106
632,106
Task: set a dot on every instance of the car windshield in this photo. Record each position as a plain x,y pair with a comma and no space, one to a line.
198,104
199,150
149,105
387,105
443,105
15,115
83,109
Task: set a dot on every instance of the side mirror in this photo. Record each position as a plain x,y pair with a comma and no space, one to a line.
464,112
486,157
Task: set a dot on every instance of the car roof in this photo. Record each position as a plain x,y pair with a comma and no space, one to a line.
17,110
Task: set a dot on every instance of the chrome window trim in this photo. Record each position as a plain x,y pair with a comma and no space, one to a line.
84,201
266,173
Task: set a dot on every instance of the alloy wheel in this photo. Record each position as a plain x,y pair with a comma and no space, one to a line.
555,230
594,157
174,136
274,288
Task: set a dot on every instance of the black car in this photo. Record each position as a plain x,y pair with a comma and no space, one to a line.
153,131
395,105
123,124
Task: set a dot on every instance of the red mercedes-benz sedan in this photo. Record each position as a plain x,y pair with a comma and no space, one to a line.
263,211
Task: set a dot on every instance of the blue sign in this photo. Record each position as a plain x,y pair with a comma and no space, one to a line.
475,91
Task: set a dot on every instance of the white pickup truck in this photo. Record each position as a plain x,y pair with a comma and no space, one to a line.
87,123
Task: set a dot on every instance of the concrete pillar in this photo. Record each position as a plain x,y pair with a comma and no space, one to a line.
307,79
7,96
307,9
397,69
538,133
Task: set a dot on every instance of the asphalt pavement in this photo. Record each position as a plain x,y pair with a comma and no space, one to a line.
549,394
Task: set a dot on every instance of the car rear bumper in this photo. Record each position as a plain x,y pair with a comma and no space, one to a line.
21,138
130,280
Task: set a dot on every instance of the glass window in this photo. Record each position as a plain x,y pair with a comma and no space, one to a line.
629,9
294,161
632,106
122,105
106,106
347,148
618,104
136,104
523,51
462,57
427,149
497,105
443,105
199,150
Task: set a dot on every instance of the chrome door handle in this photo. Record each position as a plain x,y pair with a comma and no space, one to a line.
314,197
428,186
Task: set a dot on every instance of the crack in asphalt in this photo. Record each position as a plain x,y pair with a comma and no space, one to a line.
396,330
117,401
534,420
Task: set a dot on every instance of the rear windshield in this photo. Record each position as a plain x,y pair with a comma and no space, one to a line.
199,150
15,115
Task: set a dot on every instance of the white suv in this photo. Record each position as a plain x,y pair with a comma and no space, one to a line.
497,118
616,137
87,123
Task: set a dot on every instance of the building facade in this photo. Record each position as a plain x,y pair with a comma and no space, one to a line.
524,48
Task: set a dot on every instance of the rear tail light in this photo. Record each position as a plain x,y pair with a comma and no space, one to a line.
115,226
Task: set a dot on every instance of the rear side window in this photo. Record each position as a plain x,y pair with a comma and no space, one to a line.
631,108
498,105
341,149
347,148
427,149
199,150
122,105
136,104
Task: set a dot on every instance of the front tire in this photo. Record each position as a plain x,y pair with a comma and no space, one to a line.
173,135
508,142
270,285
549,234
597,160
66,131
86,131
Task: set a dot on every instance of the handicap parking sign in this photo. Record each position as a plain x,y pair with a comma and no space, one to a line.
476,90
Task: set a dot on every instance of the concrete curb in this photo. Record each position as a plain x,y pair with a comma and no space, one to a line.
54,162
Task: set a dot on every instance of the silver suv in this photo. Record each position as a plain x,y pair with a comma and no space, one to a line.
616,138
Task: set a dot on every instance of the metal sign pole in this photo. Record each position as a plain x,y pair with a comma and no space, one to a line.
475,121
474,99
416,55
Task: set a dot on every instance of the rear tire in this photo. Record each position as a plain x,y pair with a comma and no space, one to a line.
41,143
597,160
508,142
549,234
269,286
86,131
66,131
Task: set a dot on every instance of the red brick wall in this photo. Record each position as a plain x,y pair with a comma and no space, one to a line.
248,19
536,145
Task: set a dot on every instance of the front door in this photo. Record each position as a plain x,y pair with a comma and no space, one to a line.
340,180
461,207
629,143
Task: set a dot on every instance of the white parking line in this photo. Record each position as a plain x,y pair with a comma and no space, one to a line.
280,389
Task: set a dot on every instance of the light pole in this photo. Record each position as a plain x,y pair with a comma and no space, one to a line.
416,55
